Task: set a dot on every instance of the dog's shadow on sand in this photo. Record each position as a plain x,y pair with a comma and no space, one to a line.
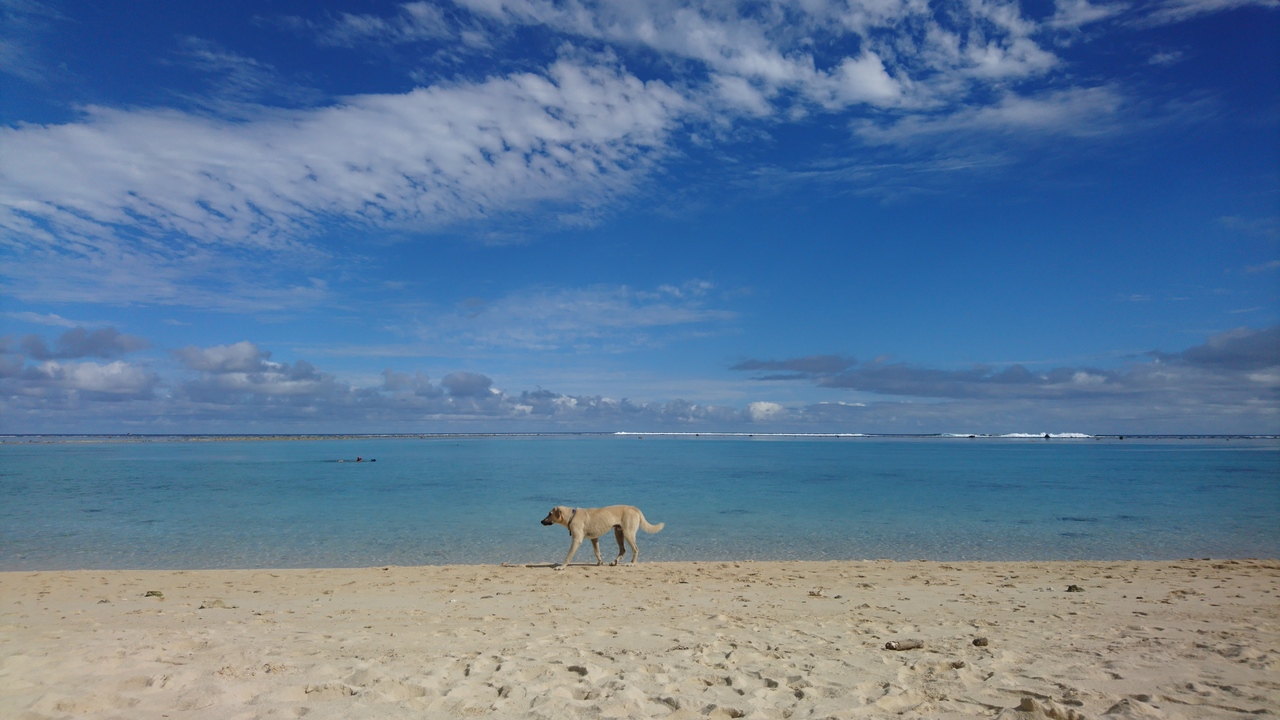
555,565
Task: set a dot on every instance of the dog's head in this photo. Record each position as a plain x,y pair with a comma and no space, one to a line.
559,514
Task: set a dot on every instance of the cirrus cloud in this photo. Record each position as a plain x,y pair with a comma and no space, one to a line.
156,196
611,318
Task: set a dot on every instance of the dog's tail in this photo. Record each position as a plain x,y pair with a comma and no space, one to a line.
651,529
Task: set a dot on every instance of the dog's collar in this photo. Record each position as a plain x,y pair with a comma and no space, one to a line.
571,515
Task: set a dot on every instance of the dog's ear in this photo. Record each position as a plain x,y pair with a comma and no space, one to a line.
559,513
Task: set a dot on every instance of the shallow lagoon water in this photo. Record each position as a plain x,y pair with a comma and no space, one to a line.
252,503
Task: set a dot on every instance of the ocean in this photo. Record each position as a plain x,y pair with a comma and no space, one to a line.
168,503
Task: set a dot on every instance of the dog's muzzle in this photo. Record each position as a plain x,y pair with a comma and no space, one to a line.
547,522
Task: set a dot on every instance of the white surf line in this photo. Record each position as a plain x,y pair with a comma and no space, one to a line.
740,434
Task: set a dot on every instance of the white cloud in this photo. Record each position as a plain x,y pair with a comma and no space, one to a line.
86,202
1209,373
43,319
243,356
468,384
417,160
602,317
23,26
249,76
739,94
1078,112
764,411
907,53
1166,58
114,378
1173,11
221,209
414,22
1231,383
1267,226
1073,14
79,343
239,372
863,79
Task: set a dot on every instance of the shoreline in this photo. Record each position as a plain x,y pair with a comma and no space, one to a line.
582,560
718,639
87,438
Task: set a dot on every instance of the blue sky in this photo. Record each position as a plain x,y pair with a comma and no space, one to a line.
512,215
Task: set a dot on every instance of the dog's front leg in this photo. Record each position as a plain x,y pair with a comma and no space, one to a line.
573,548
595,545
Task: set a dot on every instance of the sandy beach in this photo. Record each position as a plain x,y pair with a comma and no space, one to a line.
1182,639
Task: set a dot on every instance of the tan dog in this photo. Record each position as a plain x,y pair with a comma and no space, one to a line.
591,523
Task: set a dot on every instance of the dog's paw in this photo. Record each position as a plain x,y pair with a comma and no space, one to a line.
561,567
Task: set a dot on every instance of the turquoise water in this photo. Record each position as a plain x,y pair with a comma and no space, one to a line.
246,504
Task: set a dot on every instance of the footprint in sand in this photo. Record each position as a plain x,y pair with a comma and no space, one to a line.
329,691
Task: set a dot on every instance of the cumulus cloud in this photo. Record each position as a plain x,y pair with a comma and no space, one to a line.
238,387
1234,377
242,357
36,377
1223,362
241,372
467,384
1239,349
239,384
405,385
762,411
80,343
1230,383
114,380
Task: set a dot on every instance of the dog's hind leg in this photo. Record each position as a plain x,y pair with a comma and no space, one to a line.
595,545
622,549
631,540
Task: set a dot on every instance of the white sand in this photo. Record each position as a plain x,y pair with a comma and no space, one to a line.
1190,639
